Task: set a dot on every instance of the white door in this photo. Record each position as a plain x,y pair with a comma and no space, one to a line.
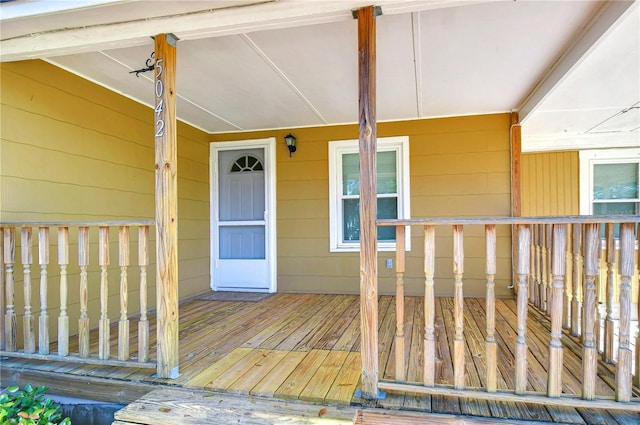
243,219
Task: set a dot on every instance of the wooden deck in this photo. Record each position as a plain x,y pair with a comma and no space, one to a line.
306,347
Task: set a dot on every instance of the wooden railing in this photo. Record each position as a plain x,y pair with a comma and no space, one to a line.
541,265
19,237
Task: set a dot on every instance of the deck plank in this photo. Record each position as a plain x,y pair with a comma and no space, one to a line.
218,368
298,379
270,359
268,386
345,384
444,364
318,386
235,371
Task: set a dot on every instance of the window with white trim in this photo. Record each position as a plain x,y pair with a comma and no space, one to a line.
392,180
610,181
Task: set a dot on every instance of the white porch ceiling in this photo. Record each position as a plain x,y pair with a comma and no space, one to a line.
260,64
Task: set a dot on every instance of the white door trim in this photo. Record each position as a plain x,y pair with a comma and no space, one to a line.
269,146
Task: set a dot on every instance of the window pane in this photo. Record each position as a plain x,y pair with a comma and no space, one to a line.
351,174
387,208
615,181
611,208
386,169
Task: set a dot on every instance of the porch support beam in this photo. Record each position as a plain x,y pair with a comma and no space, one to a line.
166,205
368,206
593,33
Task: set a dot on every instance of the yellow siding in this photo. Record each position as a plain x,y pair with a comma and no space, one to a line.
458,167
71,150
550,184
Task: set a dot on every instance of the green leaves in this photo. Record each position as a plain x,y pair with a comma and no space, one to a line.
29,407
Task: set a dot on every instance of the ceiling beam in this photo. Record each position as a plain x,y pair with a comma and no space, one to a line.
593,33
262,15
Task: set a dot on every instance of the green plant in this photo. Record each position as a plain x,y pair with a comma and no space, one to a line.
29,407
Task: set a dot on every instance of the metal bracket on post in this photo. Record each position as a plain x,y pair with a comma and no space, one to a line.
381,394
377,11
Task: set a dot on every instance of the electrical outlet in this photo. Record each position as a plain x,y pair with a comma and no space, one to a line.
389,263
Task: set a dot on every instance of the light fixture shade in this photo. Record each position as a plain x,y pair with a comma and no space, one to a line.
290,140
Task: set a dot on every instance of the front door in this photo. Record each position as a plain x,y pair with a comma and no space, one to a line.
243,216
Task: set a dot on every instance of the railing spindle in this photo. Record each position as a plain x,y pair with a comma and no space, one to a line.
566,293
636,377
576,305
626,267
536,264
589,348
123,262
63,318
104,333
458,305
554,383
544,261
28,328
490,308
10,324
83,321
548,292
521,341
143,324
429,306
400,248
43,260
2,291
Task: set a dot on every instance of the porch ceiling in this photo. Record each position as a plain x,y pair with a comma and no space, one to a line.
570,67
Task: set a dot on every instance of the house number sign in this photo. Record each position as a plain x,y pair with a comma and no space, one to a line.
159,101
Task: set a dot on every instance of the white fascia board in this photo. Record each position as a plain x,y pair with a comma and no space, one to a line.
606,19
262,15
580,142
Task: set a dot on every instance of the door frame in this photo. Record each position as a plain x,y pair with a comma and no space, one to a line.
269,146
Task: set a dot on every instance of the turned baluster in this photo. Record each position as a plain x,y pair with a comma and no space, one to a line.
400,248
83,321
589,344
558,268
63,318
490,308
626,269
576,305
143,324
543,282
536,275
458,305
547,290
429,377
566,293
123,262
521,341
636,377
28,328
104,349
10,321
43,260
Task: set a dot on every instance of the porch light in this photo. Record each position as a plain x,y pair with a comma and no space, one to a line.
290,140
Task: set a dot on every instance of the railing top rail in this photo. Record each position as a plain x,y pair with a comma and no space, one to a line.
112,223
511,220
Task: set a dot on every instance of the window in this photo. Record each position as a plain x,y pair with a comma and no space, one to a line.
609,181
344,191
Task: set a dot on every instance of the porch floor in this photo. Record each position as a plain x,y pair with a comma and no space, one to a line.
307,347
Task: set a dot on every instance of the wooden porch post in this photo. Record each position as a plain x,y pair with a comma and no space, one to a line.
166,205
516,189
368,206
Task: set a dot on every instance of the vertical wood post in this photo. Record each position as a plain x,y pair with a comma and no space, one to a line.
566,294
368,207
10,324
166,205
490,342
609,325
63,318
636,377
400,254
589,349
458,305
429,377
123,323
143,323
2,291
626,263
43,260
534,266
536,269
554,383
576,305
547,290
29,333
83,321
521,341
516,187
104,333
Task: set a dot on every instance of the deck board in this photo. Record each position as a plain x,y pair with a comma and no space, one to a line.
307,347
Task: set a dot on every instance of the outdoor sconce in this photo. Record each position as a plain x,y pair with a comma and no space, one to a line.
291,143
